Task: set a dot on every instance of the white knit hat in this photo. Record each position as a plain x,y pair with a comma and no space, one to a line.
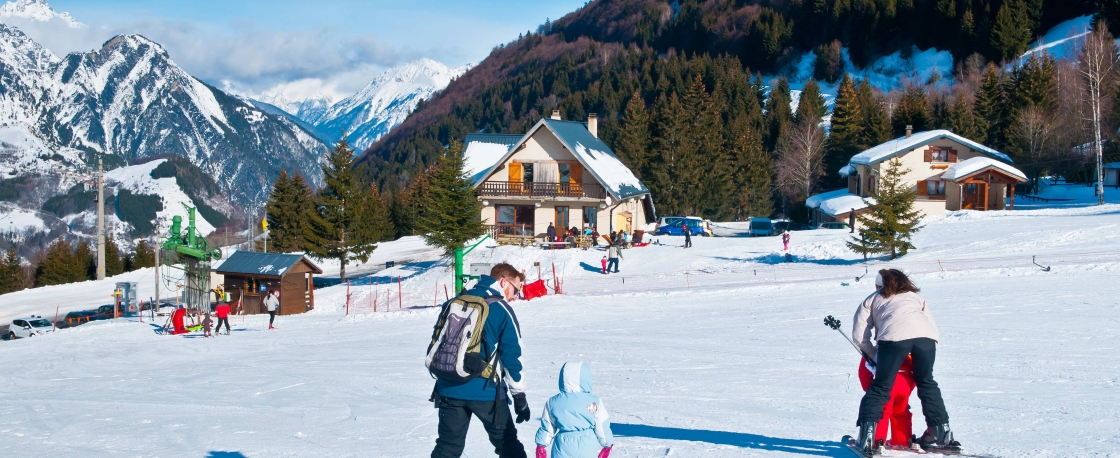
879,280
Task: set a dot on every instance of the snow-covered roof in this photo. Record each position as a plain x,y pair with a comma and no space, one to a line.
595,156
847,170
482,152
884,151
815,201
975,165
1112,165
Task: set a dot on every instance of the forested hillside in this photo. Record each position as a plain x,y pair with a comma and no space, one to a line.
678,90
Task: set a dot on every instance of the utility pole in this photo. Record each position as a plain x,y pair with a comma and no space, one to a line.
100,221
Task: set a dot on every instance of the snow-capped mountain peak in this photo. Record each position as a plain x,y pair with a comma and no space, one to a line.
38,10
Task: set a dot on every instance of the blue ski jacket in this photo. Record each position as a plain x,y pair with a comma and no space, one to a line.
575,421
502,333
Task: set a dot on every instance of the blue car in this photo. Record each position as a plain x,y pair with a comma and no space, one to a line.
695,226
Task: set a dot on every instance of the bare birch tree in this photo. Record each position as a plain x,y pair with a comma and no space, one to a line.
1096,64
1034,130
800,159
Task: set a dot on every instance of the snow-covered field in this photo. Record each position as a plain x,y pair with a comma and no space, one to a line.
714,351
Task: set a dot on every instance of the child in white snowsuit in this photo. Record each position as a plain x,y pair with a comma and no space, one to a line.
574,423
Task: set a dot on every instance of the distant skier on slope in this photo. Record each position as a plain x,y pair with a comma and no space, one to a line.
903,325
785,241
687,231
222,311
574,423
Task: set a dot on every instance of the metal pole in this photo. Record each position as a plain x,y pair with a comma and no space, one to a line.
159,251
458,270
100,222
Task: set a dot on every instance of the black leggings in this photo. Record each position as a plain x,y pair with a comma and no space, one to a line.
271,317
890,357
219,326
455,417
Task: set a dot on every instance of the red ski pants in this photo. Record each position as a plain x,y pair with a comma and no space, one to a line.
896,414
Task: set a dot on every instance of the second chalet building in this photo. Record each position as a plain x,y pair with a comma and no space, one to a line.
558,172
948,172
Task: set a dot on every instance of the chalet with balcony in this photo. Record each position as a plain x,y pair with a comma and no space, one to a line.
947,171
559,172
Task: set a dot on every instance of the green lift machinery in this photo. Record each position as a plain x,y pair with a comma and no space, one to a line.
460,277
188,250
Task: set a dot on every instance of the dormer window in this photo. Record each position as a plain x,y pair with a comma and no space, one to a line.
940,154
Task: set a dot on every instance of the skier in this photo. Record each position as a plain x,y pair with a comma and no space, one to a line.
785,241
903,325
551,233
207,324
604,265
222,311
272,303
575,422
614,253
687,234
852,222
479,397
896,415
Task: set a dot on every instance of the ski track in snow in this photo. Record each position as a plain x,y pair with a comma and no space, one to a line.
712,363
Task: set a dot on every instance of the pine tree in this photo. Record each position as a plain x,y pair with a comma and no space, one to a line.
634,139
891,220
114,264
11,272
669,130
343,228
811,104
752,174
60,266
452,216
1011,32
963,122
913,110
990,107
845,138
778,114
84,263
700,143
877,124
278,213
144,256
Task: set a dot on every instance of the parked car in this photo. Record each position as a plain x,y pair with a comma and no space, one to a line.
106,311
694,225
667,220
28,327
782,226
761,227
834,225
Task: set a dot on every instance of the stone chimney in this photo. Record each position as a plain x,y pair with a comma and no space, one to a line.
556,114
593,124
909,130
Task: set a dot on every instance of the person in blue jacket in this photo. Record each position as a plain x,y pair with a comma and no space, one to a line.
479,397
575,422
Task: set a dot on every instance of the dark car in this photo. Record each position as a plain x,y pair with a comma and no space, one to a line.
782,226
834,225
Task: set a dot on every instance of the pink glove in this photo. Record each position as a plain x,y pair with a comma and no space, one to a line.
606,452
541,452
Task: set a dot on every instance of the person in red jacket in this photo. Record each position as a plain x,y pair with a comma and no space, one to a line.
897,414
222,310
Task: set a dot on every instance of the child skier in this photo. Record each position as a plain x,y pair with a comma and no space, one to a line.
785,241
207,323
574,422
896,415
604,265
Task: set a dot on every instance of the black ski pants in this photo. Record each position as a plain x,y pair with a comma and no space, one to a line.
271,317
455,418
688,241
890,357
218,328
612,263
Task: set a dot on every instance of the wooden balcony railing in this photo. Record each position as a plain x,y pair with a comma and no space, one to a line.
517,189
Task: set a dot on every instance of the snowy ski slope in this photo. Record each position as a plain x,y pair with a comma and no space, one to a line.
714,351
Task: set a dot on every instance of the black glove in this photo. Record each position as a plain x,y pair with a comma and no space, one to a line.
521,407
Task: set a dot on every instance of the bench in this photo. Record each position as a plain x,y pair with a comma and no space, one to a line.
519,240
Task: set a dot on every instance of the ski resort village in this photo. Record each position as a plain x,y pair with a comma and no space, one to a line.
565,229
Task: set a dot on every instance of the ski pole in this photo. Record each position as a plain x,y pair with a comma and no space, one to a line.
835,324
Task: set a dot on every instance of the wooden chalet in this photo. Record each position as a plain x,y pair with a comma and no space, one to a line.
249,275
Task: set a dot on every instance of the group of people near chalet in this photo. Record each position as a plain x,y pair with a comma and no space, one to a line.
893,327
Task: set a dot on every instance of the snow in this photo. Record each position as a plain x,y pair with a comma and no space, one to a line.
1063,40
480,157
728,361
844,204
609,169
970,166
37,10
815,201
888,149
138,179
15,220
847,170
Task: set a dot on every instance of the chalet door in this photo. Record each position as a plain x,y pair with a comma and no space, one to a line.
972,196
562,220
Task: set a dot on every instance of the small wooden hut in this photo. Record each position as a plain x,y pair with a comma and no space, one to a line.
249,275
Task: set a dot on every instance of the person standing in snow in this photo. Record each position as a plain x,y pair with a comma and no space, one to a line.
903,325
852,222
614,253
272,304
687,234
222,311
551,233
207,323
785,241
604,265
575,423
478,397
626,239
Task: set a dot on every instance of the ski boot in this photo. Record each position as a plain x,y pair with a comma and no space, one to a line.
866,440
939,438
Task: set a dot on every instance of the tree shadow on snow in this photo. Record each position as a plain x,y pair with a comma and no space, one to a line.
220,454
745,440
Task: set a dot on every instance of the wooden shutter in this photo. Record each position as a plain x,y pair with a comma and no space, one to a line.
575,175
952,155
929,155
515,172
922,186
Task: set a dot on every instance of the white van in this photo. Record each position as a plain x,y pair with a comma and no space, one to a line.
27,327
761,227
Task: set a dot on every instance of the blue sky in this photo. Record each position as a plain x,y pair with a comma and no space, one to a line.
252,46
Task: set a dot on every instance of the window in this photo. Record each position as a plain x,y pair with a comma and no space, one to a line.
939,155
590,216
935,188
528,171
565,173
970,189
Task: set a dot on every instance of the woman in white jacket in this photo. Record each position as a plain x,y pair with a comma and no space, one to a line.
903,325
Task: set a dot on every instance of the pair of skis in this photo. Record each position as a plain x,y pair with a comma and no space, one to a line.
853,446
